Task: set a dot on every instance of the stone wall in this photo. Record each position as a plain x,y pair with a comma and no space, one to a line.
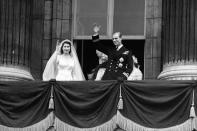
152,54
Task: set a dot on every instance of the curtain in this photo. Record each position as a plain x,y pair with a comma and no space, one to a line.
95,105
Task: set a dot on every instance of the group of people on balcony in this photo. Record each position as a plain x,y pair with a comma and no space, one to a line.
114,63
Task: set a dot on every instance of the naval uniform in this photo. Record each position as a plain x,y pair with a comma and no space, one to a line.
119,61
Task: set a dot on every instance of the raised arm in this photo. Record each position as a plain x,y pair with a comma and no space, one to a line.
95,39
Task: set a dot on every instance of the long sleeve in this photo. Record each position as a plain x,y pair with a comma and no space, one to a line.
99,46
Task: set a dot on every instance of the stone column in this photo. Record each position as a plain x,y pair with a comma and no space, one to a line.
179,37
15,40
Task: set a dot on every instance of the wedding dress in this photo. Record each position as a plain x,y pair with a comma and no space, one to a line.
65,66
136,74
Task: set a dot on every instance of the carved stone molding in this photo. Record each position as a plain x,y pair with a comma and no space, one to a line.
179,71
14,73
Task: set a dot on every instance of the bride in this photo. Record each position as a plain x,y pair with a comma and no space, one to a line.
63,64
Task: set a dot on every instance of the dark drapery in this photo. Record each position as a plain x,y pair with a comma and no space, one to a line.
23,103
157,104
86,104
154,104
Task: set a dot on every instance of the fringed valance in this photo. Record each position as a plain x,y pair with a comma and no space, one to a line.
98,105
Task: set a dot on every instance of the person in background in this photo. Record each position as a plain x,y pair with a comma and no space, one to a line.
136,74
102,57
120,63
98,71
63,65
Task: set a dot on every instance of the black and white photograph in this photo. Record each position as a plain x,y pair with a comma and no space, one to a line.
98,65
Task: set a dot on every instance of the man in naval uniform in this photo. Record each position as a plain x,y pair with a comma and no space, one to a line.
120,63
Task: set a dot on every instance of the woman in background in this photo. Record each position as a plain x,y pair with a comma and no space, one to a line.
136,74
101,68
63,64
97,73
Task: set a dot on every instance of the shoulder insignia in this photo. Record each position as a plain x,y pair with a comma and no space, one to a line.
126,52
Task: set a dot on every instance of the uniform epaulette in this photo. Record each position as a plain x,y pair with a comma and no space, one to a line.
126,52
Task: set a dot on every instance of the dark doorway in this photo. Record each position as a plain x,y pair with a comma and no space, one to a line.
89,60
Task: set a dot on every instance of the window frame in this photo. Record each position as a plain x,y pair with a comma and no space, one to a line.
110,24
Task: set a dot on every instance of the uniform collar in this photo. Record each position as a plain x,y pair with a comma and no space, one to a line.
119,47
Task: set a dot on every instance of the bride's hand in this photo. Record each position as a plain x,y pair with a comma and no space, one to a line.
58,46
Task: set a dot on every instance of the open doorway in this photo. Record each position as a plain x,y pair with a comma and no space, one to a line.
89,60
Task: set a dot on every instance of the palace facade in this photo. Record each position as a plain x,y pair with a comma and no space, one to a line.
161,33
